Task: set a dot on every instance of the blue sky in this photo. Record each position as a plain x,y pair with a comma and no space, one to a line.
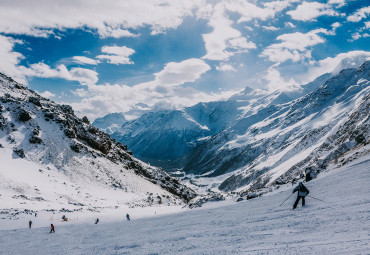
130,56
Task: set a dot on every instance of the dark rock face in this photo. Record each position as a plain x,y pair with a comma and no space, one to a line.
69,133
35,139
85,120
34,100
76,147
67,109
49,115
24,115
19,152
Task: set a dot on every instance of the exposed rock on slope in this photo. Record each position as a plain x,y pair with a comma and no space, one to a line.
49,135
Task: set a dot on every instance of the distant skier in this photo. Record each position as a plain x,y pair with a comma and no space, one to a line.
302,193
128,217
29,224
35,214
52,230
97,220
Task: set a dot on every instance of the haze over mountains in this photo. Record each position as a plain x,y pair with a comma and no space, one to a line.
257,138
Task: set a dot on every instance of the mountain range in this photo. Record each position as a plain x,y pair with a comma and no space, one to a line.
257,138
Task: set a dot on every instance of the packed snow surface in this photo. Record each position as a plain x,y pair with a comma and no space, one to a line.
340,225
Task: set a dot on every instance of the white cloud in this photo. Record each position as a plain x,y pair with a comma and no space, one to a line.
116,55
84,60
10,59
294,46
336,25
276,82
174,74
355,36
271,28
335,64
107,31
338,3
361,32
289,24
359,14
165,89
225,67
82,75
47,94
225,40
109,18
309,11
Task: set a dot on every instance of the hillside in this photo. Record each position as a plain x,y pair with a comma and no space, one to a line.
279,143
53,160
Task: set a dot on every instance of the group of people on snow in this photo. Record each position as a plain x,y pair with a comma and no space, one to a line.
52,228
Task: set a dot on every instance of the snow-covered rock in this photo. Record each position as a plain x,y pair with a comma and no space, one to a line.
51,159
279,143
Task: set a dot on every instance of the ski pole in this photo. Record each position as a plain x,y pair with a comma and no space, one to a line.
316,198
286,199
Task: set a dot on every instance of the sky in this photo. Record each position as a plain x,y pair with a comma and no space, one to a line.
132,56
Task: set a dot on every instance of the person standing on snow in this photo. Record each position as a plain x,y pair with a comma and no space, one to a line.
29,224
302,193
127,217
97,220
52,228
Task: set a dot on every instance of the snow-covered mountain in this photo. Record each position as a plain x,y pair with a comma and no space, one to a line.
110,123
279,143
51,159
165,137
257,139
169,135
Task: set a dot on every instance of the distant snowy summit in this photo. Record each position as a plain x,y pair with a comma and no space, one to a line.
51,156
258,138
110,123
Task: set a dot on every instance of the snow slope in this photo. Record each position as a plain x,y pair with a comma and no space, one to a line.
51,160
341,225
278,143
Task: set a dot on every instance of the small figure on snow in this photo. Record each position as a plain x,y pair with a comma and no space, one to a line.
52,230
97,220
29,224
35,214
302,193
127,217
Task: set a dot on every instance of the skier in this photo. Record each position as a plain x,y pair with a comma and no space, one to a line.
35,214
302,193
52,228
127,217
97,220
29,224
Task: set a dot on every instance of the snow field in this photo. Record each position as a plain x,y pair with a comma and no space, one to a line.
258,226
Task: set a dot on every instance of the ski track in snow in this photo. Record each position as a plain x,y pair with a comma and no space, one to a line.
258,226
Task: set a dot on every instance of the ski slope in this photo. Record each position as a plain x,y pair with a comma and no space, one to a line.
258,226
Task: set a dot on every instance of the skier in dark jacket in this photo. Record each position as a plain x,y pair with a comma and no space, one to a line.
29,224
302,193
52,228
97,220
127,217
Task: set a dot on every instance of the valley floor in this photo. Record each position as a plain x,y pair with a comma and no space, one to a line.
258,226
